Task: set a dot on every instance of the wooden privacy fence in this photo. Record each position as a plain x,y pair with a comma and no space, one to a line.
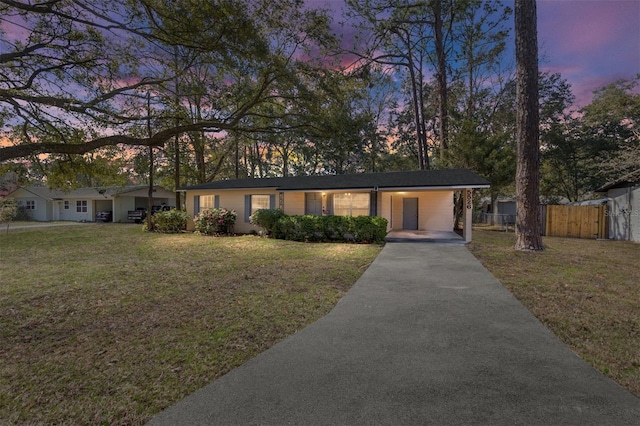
577,221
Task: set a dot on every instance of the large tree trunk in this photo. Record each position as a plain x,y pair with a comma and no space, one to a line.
416,85
441,76
528,227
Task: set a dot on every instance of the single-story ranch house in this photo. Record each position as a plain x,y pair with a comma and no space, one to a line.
45,204
623,199
414,200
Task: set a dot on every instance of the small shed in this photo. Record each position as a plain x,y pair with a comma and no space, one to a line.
623,196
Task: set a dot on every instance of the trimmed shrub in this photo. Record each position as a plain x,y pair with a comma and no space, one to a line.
266,218
362,229
215,221
170,222
335,227
368,229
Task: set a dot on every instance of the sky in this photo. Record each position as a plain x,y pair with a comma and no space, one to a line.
591,43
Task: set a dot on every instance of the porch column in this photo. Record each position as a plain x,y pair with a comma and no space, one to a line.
468,214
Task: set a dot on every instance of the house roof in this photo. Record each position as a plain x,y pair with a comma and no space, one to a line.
421,179
86,193
630,179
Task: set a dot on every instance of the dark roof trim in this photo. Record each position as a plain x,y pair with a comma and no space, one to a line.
630,179
420,179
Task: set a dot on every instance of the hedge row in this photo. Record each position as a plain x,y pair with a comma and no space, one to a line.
361,229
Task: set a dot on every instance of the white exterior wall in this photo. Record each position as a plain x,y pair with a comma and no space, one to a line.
43,211
435,209
73,214
121,207
624,214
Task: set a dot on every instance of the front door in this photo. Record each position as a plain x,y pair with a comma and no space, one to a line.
410,213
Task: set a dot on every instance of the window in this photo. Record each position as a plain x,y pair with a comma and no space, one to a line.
206,202
351,204
81,206
66,204
257,202
30,205
202,202
260,202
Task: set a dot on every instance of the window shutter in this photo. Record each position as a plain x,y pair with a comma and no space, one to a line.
196,204
272,201
373,204
247,208
216,201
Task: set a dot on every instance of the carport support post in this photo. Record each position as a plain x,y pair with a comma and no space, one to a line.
468,214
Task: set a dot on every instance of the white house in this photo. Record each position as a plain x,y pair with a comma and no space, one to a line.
623,199
414,200
45,204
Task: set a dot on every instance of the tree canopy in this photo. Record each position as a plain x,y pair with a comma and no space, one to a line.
106,92
76,74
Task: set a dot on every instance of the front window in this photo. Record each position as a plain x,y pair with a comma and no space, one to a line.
66,204
259,202
81,206
206,202
351,204
30,205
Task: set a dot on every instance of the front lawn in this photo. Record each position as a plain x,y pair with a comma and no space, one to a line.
105,324
586,291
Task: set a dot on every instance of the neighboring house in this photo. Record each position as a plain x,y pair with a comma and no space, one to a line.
623,199
501,212
416,200
82,204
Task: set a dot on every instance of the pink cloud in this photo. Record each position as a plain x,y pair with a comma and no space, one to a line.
582,25
590,42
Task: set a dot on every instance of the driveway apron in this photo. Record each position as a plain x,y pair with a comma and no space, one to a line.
426,336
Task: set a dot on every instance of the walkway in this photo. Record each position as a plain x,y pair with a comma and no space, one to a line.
426,336
33,225
408,236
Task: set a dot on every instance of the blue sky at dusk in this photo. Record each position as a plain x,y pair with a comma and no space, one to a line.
589,42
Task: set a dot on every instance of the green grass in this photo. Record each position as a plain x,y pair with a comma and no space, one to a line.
586,291
105,324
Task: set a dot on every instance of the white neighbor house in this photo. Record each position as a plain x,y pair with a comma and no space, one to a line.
81,205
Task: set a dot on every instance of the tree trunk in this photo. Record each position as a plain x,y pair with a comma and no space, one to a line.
150,190
441,77
528,227
177,170
423,157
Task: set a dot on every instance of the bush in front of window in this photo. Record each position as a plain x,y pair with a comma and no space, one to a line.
215,221
337,228
266,218
361,229
369,228
171,221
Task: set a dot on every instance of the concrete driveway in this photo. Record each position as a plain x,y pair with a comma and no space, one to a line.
426,336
